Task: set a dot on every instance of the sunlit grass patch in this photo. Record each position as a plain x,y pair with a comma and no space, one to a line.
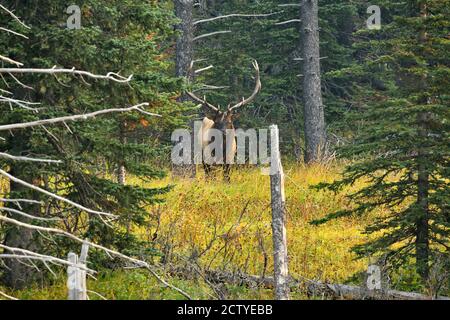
228,226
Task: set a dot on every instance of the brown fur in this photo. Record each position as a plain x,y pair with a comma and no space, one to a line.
223,121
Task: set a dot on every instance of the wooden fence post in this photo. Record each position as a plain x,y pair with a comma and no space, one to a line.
72,277
280,255
76,274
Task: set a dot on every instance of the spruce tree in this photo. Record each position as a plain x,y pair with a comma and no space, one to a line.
402,151
127,37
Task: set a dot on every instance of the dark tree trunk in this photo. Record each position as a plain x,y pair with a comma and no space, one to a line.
314,121
184,57
16,275
423,184
122,171
184,51
422,222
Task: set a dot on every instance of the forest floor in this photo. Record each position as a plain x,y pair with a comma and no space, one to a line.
228,227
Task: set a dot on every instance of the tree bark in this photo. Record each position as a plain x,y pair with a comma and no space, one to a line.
122,175
278,203
422,223
423,184
184,48
314,120
122,171
17,275
184,58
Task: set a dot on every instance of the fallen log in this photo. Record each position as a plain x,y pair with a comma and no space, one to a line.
318,288
312,288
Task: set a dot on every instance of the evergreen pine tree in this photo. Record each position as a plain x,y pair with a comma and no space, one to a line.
127,37
402,151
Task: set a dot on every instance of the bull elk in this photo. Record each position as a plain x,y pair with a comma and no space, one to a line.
223,122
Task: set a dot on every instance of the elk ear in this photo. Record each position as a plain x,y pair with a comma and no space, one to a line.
217,115
211,114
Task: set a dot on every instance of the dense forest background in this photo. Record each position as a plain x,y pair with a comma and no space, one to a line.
385,102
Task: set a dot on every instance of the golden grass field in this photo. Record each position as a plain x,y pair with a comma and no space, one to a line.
195,208
233,223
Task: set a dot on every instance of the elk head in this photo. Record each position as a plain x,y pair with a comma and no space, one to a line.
225,119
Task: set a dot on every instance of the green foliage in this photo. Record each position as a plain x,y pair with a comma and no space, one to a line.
126,37
402,150
276,47
385,94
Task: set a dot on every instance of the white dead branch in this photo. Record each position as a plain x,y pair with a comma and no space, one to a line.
19,253
7,296
97,294
290,5
21,84
242,15
14,16
6,91
23,125
52,195
13,32
106,250
21,103
287,22
203,69
111,76
19,158
209,87
198,60
30,259
18,201
29,216
9,60
211,34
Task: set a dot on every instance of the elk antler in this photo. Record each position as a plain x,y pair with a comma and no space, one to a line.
255,92
202,101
